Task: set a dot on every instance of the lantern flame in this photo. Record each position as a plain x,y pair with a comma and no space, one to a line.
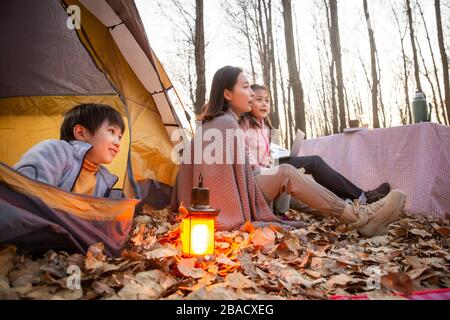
200,239
197,236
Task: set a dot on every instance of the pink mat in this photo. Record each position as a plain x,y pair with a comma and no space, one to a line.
413,158
438,294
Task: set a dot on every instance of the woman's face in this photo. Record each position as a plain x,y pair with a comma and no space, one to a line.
260,104
241,96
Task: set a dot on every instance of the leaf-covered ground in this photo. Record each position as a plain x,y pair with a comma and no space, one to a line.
312,263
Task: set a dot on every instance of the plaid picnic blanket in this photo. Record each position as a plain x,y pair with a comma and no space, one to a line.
413,158
437,294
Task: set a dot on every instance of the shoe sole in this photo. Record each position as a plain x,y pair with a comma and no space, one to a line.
396,210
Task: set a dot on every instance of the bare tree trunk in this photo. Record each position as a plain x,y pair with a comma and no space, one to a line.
332,77
359,110
323,113
263,39
290,120
261,42
199,45
253,19
294,77
190,81
323,98
310,121
284,103
373,67
288,126
427,76
240,17
369,84
347,104
430,47
380,92
333,100
322,92
403,116
321,88
249,44
405,71
337,57
444,57
413,46
271,50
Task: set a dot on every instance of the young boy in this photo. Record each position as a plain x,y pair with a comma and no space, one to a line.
89,137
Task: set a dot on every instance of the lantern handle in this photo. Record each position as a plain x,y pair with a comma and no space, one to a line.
200,181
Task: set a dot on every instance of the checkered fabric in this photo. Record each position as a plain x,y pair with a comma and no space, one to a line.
413,158
438,294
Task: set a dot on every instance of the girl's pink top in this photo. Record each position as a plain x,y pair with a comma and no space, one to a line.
257,144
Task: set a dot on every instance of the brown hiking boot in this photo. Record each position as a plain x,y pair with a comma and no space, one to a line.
378,193
374,218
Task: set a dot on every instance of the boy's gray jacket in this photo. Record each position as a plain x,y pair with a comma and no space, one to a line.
59,163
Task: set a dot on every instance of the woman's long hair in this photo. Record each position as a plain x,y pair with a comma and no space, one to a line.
224,79
249,118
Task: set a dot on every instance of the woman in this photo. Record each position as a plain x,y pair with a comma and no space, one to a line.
242,197
257,140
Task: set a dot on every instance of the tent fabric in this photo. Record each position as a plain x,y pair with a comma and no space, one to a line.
54,105
101,58
150,143
36,216
38,59
47,68
40,119
128,32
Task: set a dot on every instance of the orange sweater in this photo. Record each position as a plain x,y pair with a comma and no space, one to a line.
87,179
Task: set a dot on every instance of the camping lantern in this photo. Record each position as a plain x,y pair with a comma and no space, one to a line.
197,227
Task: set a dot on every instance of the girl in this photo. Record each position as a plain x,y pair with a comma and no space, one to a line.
239,195
257,125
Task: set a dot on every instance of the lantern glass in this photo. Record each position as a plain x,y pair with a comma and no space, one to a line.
197,235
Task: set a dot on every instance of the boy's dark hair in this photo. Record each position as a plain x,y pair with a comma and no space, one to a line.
91,116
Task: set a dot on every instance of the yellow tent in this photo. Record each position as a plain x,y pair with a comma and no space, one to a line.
56,54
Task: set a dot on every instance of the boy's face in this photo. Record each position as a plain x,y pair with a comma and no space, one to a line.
105,142
260,104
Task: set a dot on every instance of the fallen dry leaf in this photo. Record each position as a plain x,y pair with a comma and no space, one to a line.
263,238
95,257
313,274
162,252
444,231
147,285
182,213
187,268
238,281
421,233
342,280
398,281
292,242
413,261
227,261
312,263
294,277
6,260
248,227
415,273
247,264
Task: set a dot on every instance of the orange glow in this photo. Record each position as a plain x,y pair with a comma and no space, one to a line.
197,236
